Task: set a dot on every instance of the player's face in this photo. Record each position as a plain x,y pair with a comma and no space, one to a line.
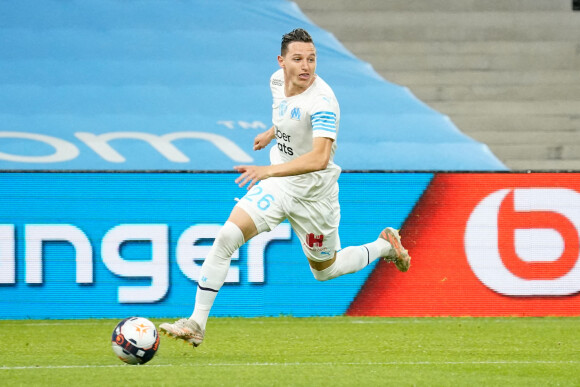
299,65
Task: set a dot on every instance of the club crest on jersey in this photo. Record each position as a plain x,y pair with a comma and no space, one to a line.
295,114
282,108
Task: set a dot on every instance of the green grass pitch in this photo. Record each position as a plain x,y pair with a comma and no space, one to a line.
286,351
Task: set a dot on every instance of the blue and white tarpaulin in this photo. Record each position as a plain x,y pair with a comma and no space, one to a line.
183,85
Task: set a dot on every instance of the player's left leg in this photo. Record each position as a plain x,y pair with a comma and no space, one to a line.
349,260
316,224
397,254
354,258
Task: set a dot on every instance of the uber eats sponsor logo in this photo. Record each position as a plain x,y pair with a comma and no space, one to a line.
188,252
283,139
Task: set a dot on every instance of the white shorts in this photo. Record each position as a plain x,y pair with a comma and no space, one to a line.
314,222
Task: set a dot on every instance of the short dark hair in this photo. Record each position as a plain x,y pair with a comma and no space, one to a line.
297,35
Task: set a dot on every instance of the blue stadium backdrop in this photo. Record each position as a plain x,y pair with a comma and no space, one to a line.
144,85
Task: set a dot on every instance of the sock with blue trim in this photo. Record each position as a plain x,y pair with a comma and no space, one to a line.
215,269
352,259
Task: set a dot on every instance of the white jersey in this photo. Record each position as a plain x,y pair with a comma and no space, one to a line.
297,120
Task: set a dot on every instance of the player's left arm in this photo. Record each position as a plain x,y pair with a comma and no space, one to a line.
324,120
315,160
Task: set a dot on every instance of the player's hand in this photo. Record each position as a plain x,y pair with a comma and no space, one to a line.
251,174
263,139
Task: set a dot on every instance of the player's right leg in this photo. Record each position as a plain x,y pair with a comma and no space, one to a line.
184,329
213,274
258,211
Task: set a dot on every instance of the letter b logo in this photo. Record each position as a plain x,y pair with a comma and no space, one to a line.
525,242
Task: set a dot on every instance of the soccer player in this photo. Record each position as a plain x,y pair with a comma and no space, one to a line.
300,185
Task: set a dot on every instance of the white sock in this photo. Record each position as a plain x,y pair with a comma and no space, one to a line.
354,258
215,269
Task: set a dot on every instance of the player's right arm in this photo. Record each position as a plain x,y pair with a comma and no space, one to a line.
263,139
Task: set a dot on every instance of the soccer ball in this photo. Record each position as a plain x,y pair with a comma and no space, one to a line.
135,340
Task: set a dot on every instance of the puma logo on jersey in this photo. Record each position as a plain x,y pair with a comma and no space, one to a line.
282,108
